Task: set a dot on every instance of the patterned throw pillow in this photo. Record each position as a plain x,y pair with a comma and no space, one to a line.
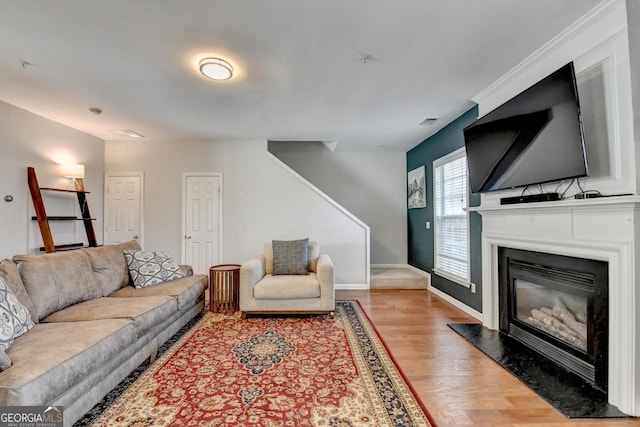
15,319
9,272
150,268
290,257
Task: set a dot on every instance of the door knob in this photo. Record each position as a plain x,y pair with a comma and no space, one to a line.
135,236
187,237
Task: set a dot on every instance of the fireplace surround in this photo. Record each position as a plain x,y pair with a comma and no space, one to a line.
602,229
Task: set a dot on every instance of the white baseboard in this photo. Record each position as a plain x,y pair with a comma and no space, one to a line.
458,304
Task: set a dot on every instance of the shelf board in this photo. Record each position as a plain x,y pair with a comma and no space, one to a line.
64,218
64,190
67,247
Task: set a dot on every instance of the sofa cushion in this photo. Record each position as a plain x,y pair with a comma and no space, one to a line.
184,290
15,320
9,272
187,270
290,257
5,361
53,357
57,280
145,312
287,287
150,268
110,266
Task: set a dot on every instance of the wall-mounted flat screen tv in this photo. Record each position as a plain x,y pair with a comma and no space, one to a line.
535,137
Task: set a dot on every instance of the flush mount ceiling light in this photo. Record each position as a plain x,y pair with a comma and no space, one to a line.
216,68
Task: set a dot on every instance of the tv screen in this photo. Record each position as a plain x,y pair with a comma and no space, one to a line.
535,137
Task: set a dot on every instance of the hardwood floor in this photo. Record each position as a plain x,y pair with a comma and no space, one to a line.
457,383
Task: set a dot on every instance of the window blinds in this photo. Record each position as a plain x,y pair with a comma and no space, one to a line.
451,224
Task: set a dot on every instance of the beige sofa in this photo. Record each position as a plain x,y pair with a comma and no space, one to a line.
262,291
92,328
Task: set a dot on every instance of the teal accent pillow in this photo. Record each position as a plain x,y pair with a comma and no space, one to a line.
290,257
150,268
15,319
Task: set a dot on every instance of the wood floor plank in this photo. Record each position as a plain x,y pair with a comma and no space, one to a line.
457,383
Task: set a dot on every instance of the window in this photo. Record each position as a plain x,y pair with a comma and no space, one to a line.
451,220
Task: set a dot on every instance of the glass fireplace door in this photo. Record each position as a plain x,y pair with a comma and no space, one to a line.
554,312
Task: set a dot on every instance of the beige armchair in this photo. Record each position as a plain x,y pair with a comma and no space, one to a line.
310,290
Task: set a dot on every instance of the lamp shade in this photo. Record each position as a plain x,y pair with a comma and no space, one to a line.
73,171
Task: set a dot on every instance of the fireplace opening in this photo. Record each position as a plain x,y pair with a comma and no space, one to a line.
557,306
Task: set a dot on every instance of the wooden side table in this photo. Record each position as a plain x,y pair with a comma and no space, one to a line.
224,288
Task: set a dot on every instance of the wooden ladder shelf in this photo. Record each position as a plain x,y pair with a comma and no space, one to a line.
43,219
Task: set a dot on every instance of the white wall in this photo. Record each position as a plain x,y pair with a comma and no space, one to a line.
371,185
261,201
30,140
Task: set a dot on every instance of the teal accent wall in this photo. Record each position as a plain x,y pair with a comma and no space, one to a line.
420,240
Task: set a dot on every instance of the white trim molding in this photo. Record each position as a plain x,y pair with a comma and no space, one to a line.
563,48
351,287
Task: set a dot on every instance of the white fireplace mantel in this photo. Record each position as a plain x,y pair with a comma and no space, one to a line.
606,229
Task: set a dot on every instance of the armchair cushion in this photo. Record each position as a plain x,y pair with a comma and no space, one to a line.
290,257
286,287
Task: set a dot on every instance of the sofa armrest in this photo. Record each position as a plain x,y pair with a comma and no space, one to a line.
326,275
187,270
252,271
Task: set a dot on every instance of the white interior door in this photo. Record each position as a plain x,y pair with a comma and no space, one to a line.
202,221
123,203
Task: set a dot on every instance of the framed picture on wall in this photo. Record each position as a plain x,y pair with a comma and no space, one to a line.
416,188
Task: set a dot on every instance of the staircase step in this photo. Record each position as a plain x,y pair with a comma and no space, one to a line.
397,278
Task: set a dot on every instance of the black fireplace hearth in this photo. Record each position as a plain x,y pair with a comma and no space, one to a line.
569,393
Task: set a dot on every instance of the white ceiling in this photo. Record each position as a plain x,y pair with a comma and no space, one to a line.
299,68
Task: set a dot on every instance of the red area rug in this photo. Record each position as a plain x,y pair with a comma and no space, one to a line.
276,371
